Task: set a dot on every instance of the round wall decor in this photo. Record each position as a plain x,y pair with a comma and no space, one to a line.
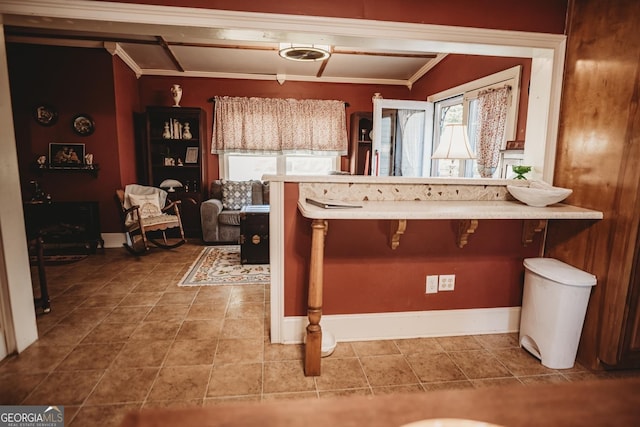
83,124
45,114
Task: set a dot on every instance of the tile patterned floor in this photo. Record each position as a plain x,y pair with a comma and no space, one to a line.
122,336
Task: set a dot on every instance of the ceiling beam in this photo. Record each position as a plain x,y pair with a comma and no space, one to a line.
163,43
322,67
387,54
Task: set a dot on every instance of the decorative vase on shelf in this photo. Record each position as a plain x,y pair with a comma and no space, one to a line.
186,132
176,93
166,134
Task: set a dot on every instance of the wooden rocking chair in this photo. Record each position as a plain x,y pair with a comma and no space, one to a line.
144,215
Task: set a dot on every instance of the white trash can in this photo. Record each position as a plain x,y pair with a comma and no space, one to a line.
554,303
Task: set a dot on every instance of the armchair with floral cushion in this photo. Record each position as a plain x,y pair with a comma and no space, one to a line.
220,215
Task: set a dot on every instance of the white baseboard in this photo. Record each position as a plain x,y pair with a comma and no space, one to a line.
383,326
113,240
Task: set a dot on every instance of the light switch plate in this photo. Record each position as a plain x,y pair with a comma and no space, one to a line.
432,285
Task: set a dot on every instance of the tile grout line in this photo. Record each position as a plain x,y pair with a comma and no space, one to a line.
413,371
215,353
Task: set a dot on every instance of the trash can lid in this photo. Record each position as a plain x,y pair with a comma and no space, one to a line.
560,272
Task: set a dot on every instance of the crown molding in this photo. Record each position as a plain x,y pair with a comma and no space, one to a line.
115,49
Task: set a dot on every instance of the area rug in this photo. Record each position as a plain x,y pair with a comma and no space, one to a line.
220,265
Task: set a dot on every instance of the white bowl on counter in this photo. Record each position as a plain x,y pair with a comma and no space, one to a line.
539,194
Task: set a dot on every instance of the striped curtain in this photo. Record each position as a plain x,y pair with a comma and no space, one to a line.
490,132
279,126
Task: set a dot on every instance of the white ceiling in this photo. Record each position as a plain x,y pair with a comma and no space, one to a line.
165,52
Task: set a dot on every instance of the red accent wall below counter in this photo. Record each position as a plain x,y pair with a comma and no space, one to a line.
362,274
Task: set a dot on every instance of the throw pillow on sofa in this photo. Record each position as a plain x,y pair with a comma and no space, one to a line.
236,194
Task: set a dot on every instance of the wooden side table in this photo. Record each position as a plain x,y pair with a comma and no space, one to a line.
254,234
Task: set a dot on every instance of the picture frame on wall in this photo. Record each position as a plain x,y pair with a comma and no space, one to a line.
66,155
191,155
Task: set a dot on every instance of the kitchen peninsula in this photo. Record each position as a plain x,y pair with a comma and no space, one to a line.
397,201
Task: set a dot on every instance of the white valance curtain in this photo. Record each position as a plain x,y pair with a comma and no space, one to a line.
279,126
492,110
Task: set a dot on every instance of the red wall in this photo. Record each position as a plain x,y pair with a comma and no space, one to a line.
455,70
74,81
127,102
545,16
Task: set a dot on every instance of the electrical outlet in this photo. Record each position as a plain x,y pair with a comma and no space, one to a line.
432,285
447,282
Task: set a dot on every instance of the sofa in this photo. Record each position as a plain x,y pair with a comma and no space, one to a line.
220,214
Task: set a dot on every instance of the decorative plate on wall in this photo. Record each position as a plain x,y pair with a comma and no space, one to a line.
83,125
45,114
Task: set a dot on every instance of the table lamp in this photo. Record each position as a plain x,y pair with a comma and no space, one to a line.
170,185
454,145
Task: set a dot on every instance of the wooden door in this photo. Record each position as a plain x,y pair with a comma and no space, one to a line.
598,155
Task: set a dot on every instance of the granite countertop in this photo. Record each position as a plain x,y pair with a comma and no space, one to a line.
451,209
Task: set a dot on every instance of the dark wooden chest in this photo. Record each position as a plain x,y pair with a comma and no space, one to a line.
254,234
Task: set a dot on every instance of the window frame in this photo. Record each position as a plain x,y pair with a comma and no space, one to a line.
469,92
281,161
510,76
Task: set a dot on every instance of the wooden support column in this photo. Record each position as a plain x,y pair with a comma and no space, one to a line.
313,346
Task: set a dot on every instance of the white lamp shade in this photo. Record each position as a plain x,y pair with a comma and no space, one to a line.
454,144
170,184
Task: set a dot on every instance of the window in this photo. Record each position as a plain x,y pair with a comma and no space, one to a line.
258,136
460,105
448,111
242,167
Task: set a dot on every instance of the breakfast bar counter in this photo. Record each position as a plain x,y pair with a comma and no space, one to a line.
466,201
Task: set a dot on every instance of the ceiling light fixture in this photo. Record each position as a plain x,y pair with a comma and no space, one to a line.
304,52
